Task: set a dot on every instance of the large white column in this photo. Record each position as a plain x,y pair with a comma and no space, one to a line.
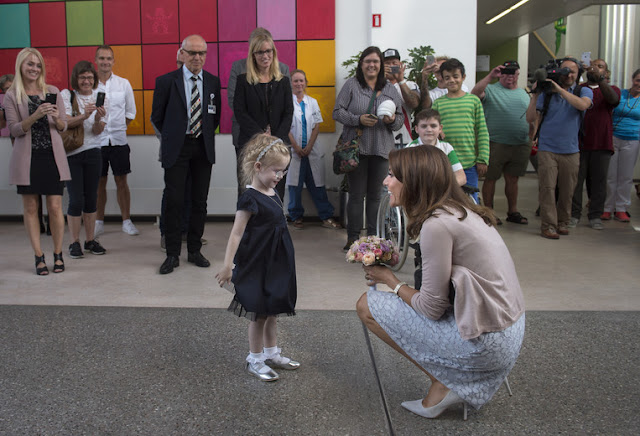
619,42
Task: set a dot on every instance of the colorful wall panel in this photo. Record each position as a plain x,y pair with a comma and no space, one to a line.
146,34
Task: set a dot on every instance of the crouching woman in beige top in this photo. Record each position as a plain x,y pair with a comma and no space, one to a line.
464,326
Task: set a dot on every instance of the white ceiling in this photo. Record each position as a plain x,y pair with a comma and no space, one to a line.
527,18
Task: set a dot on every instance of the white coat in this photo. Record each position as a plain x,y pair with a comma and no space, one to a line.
316,157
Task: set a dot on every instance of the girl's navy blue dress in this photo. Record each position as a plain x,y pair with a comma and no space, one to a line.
265,270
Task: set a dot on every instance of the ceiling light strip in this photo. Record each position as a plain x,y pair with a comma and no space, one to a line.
506,11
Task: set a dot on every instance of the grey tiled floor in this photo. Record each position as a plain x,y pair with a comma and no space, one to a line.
111,347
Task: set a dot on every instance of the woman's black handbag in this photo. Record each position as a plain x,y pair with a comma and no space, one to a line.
346,156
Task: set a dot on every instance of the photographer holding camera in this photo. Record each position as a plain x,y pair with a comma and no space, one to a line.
558,114
409,91
509,144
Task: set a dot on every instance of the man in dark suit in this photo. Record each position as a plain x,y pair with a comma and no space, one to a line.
186,112
240,67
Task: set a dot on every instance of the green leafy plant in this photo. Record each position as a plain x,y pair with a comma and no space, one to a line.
351,64
418,56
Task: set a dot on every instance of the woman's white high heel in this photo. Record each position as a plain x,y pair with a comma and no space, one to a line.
434,411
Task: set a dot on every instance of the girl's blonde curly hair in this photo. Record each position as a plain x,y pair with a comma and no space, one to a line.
263,148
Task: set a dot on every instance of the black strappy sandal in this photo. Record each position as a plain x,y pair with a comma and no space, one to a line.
515,217
42,271
58,268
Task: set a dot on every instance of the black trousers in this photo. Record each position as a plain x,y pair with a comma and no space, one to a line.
594,166
192,160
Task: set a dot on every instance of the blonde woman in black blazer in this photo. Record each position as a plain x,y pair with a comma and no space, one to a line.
262,101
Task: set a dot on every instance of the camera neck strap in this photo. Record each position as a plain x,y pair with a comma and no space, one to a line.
545,108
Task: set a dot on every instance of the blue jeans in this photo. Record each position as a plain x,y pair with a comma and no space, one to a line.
318,194
472,179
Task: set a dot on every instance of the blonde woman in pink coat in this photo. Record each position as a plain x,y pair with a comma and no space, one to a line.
38,161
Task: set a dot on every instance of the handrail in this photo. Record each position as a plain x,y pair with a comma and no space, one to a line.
544,45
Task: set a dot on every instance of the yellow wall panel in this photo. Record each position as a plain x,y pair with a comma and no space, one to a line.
326,100
136,127
318,60
128,63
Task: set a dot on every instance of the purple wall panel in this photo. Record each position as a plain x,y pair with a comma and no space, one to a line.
229,53
287,53
279,17
211,64
236,19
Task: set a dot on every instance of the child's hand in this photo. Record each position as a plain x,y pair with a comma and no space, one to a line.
224,276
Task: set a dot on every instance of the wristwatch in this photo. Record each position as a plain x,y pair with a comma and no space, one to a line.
403,81
398,286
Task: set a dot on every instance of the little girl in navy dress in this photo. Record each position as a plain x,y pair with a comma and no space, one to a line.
259,259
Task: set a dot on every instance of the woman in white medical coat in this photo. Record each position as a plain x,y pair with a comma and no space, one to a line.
307,160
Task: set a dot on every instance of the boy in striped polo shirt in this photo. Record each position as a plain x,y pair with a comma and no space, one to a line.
464,124
429,128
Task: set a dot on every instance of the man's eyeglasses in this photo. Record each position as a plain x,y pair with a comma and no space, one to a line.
261,53
195,53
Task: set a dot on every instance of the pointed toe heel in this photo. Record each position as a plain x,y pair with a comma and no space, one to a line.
434,411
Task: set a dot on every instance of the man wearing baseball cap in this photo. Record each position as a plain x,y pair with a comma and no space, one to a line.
408,90
505,106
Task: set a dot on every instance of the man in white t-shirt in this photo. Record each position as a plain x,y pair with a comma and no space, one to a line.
408,90
431,95
115,147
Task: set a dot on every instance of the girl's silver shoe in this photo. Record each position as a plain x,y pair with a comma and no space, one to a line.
434,411
280,362
256,368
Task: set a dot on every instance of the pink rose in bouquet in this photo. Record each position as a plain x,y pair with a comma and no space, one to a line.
372,250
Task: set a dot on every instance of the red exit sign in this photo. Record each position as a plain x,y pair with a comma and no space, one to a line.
377,20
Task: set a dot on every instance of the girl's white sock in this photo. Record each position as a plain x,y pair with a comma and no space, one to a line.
255,357
270,351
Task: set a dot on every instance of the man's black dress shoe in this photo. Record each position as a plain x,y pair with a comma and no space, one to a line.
197,258
169,264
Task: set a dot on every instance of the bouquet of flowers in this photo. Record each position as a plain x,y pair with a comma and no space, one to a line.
372,250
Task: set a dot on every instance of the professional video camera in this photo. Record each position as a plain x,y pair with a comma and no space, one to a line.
550,71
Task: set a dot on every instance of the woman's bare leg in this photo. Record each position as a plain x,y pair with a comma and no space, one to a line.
437,391
32,222
56,221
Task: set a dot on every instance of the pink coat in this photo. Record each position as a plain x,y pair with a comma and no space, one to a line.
20,165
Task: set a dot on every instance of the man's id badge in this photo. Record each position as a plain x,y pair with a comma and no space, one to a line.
211,108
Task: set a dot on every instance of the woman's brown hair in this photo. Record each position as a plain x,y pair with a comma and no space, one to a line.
428,184
81,68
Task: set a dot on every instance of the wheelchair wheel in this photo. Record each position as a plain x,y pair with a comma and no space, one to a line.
391,224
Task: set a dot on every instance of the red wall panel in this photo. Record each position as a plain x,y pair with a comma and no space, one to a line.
121,22
316,19
159,21
48,24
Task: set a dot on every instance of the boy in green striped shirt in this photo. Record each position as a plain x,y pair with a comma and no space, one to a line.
464,124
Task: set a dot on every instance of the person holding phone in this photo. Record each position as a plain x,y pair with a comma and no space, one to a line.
409,91
38,163
85,162
354,108
115,148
